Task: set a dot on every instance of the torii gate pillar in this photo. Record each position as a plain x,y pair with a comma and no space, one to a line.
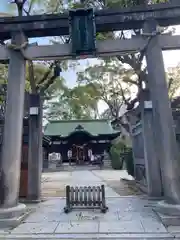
12,138
35,149
166,146
153,176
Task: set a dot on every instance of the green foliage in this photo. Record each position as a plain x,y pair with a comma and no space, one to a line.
120,153
128,157
39,71
111,82
112,91
57,5
76,103
116,153
81,101
173,79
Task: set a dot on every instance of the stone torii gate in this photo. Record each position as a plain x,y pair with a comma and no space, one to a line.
148,18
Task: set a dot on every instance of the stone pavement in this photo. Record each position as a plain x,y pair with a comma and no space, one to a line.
53,184
118,180
129,217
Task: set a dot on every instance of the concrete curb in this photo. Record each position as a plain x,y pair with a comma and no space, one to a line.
100,236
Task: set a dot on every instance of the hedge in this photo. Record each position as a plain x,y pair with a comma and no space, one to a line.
115,154
128,158
119,154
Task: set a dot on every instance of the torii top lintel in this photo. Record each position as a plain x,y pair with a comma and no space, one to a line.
106,20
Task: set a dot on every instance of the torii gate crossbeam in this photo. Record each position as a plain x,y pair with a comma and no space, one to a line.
104,48
166,14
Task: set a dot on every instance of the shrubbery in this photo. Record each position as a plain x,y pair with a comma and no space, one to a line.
115,153
121,154
128,158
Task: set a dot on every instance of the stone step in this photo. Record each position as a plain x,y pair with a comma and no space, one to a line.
10,218
169,220
85,236
107,163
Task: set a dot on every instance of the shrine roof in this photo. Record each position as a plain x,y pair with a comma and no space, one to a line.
93,127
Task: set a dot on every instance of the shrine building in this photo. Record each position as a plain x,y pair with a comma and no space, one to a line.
76,140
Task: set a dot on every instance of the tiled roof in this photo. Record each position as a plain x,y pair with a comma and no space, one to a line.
65,128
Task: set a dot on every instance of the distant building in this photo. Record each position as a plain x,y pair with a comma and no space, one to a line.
78,138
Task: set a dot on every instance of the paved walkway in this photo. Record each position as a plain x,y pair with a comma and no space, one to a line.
128,217
53,184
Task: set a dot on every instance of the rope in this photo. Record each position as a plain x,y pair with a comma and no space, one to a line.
20,48
17,47
150,36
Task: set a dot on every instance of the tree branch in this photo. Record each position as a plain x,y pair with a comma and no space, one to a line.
47,85
31,76
30,7
131,104
130,81
57,71
46,75
170,83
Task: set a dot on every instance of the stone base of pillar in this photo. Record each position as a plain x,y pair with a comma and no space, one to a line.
45,164
11,217
168,213
169,220
167,209
31,201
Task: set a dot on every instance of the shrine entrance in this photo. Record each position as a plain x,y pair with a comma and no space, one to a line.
79,145
80,142
80,153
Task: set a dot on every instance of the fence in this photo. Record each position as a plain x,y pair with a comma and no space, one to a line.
85,197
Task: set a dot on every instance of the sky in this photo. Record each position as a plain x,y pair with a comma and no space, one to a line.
3,6
171,58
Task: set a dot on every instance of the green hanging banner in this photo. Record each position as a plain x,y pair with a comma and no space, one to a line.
82,31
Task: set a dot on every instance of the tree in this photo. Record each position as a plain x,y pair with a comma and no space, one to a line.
117,86
109,82
3,88
58,6
27,6
173,77
76,103
39,71
135,61
41,79
174,89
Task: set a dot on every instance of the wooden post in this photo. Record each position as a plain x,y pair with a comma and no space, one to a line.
165,138
45,159
152,165
12,139
35,149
